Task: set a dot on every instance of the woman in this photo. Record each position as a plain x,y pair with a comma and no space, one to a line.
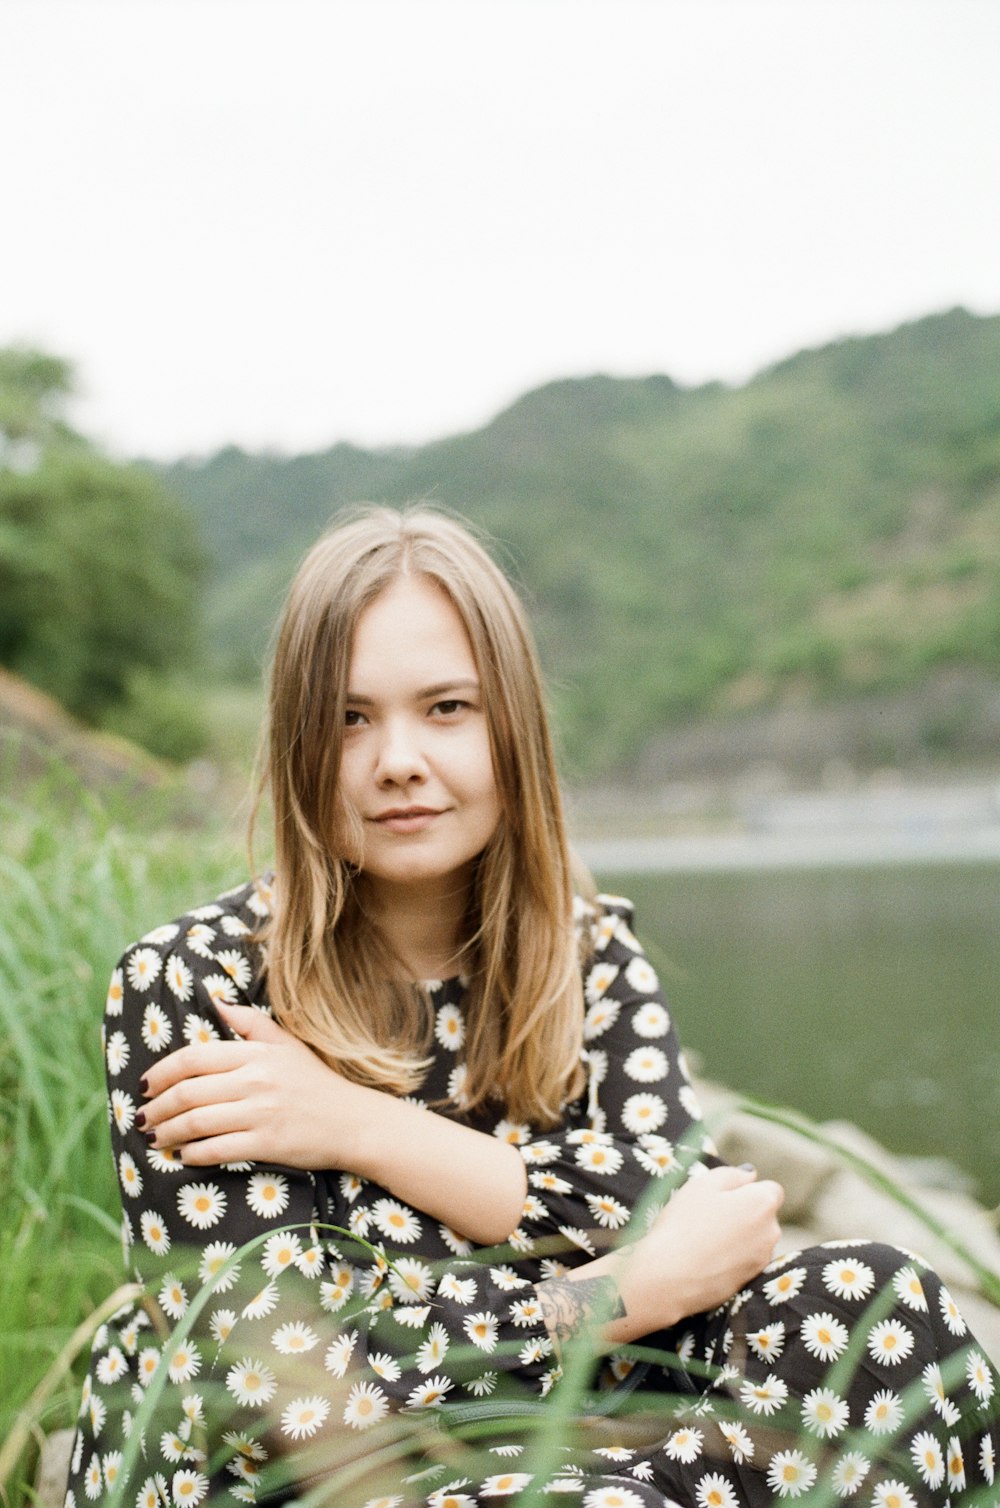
416,1042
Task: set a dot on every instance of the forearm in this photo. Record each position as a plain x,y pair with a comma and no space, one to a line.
474,1183
615,1297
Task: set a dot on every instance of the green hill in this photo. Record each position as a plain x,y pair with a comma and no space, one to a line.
829,531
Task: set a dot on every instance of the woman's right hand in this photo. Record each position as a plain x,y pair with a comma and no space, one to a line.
718,1231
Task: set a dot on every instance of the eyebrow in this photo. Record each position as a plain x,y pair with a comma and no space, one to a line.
425,692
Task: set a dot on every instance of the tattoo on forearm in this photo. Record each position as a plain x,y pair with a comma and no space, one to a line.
568,1307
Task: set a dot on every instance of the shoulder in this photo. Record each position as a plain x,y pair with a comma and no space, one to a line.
217,937
604,925
614,965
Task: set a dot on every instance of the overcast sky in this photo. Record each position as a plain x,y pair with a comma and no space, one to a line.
281,223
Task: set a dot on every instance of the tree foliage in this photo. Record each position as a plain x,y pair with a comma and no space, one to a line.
830,529
99,567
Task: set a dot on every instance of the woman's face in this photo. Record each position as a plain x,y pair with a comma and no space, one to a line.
416,762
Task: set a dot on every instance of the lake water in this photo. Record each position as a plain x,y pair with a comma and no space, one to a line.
867,994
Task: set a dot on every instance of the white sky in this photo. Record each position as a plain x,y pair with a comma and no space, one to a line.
287,222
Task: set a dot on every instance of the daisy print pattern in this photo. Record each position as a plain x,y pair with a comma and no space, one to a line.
180,979
890,1342
449,1027
787,1285
304,1416
848,1279
824,1336
791,1473
202,1204
651,1020
716,1491
768,1342
271,1328
849,1473
267,1194
157,1032
647,1065
825,1413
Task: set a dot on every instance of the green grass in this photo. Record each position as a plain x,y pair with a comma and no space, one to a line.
81,877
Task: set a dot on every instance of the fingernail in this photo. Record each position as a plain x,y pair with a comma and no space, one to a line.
747,1167
151,1138
144,1084
140,1118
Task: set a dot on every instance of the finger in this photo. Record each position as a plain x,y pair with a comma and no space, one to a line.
760,1201
196,1061
192,1094
237,1146
202,1123
254,1025
774,1191
732,1178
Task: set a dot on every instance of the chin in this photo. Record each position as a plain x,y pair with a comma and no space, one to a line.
420,873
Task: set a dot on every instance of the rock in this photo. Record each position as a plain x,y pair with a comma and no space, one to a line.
848,1206
853,1139
53,1469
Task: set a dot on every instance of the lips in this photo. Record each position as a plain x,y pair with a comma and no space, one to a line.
406,819
403,812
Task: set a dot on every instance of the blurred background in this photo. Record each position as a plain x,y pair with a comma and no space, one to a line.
694,307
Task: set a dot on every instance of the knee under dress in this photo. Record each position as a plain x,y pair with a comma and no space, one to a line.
301,1335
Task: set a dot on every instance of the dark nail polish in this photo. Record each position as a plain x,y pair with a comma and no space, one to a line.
151,1138
144,1084
140,1118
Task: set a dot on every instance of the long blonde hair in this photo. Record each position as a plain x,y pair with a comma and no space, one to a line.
332,979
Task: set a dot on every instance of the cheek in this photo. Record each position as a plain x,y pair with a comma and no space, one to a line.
347,774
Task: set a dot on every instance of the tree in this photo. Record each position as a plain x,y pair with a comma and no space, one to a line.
99,566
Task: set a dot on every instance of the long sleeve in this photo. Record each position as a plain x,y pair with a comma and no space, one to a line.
637,1124
181,1228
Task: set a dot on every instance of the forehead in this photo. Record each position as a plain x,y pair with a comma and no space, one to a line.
411,628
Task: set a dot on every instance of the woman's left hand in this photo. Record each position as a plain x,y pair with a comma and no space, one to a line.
265,1098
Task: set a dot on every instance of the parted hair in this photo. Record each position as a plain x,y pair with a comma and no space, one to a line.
332,978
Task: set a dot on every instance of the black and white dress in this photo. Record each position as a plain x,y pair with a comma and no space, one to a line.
321,1352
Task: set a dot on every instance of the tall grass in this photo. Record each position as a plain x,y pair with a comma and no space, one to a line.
80,878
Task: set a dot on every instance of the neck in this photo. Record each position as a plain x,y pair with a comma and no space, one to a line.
423,925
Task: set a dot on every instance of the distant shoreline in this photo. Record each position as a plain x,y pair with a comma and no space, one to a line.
905,823
737,852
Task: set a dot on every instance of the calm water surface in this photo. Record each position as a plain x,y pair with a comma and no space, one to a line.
870,995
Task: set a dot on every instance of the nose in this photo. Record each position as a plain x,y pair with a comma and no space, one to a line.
401,759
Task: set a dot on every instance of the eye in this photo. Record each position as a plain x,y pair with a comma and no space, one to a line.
353,718
449,707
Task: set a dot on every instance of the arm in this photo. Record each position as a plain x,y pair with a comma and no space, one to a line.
175,986
636,1130
717,1233
270,1095
638,1123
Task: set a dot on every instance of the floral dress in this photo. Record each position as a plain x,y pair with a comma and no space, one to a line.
301,1335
